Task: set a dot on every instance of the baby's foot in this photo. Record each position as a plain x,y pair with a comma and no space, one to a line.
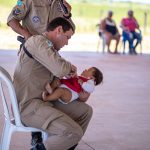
48,88
44,95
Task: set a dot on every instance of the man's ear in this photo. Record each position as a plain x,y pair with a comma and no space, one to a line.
59,30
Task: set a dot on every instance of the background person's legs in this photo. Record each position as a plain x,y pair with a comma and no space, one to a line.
129,37
138,37
117,38
108,38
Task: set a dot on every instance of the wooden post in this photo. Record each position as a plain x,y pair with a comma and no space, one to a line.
145,21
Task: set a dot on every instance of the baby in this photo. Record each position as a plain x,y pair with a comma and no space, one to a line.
69,89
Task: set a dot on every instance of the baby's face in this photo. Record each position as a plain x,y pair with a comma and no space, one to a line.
88,73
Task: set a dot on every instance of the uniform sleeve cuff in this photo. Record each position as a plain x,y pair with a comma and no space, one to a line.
68,16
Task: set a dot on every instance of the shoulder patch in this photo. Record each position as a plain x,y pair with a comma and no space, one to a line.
49,43
36,19
19,2
17,11
19,8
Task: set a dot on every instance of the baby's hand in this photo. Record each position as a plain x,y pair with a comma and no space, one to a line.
48,88
83,96
44,96
73,72
80,81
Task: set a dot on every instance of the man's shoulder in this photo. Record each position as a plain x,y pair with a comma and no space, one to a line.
37,38
39,2
38,41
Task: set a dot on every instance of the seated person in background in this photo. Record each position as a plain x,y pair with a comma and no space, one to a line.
69,89
109,31
129,25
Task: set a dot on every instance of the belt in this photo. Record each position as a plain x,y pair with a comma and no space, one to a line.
27,52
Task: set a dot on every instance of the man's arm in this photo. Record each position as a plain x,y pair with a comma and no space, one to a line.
124,28
137,25
45,54
18,28
102,25
17,14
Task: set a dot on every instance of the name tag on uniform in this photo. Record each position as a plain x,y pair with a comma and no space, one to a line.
50,44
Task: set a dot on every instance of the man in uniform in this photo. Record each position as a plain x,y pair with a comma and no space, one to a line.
38,63
36,14
30,17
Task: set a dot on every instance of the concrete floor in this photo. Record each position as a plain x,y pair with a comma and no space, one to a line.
121,119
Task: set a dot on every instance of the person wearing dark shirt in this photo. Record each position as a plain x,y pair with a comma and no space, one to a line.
109,31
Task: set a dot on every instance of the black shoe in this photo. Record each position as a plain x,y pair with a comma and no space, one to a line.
37,141
38,146
134,52
73,147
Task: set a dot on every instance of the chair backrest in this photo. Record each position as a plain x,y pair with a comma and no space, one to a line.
6,78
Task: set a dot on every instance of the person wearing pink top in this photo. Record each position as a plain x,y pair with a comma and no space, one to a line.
109,31
129,26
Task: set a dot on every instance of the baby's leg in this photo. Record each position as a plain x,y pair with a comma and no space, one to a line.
60,93
50,87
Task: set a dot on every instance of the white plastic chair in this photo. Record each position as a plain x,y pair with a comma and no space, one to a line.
12,124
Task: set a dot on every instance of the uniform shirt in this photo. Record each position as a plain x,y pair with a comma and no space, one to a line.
31,75
36,14
131,23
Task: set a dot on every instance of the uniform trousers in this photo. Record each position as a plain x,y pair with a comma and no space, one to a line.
65,123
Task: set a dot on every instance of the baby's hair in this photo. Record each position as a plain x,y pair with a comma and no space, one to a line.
98,75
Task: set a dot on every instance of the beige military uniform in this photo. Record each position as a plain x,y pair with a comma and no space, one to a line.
30,78
36,14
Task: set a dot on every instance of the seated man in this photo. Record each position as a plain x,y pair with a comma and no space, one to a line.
109,31
129,26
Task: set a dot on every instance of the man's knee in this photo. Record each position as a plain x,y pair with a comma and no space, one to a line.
75,133
90,111
65,139
65,127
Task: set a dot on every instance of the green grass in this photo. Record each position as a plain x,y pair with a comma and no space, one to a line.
86,14
7,3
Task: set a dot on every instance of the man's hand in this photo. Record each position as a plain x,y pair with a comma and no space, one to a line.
73,72
68,6
83,96
80,81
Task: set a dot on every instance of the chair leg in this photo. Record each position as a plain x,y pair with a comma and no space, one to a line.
6,136
98,45
124,47
140,48
103,46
